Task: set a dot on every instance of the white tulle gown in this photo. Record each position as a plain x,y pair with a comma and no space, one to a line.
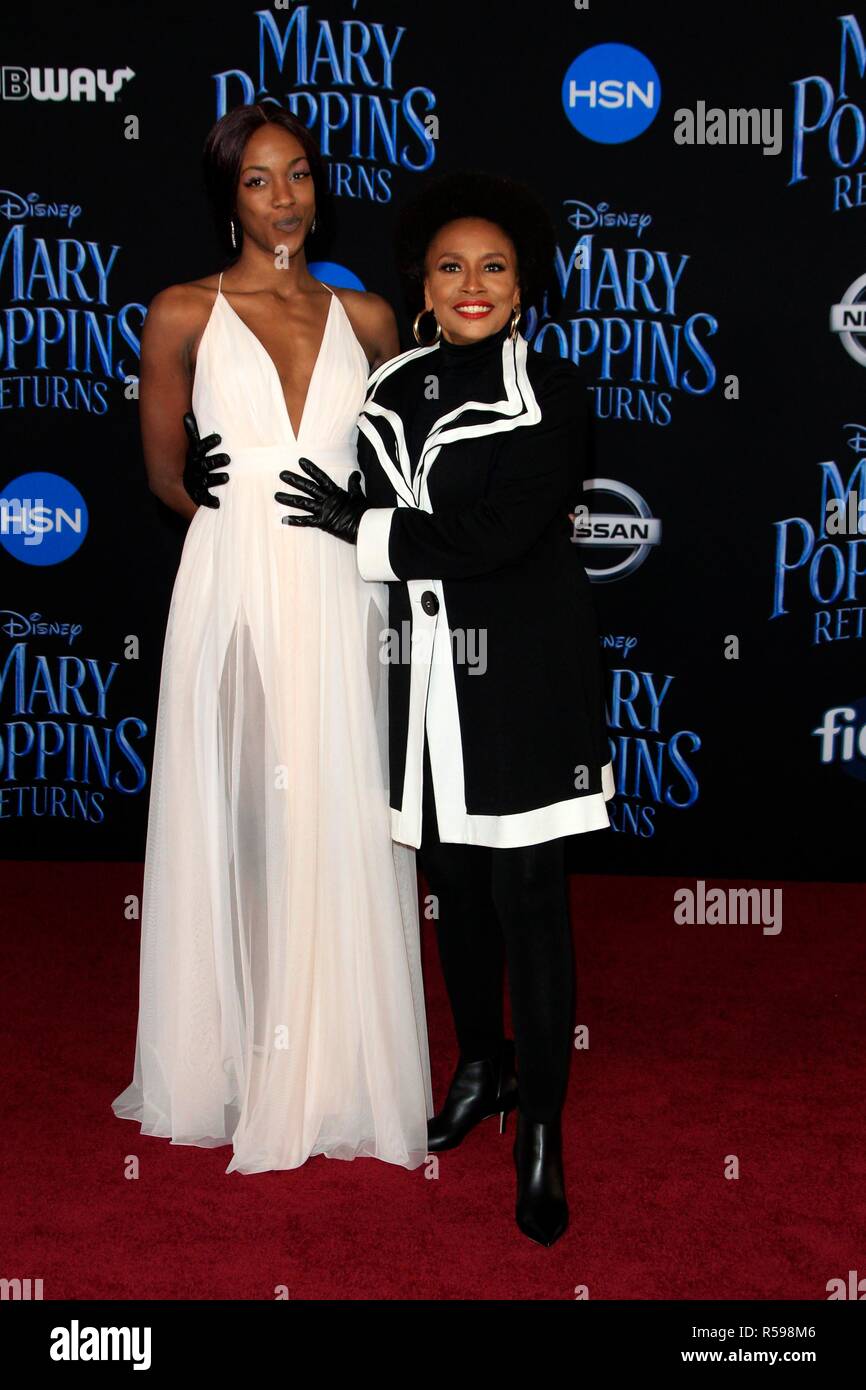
281,1007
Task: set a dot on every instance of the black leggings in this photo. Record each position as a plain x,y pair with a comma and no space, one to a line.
496,905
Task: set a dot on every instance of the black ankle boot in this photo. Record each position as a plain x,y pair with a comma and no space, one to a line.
542,1213
478,1090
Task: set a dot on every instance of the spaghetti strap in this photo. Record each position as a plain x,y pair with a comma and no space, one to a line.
220,285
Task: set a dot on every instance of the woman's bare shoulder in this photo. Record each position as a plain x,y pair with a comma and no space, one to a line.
365,306
373,322
182,308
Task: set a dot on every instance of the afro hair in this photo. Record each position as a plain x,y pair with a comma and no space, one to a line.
464,193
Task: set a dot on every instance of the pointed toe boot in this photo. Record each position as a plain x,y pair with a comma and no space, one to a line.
541,1210
477,1091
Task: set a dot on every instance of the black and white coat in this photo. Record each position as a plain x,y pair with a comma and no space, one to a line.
478,542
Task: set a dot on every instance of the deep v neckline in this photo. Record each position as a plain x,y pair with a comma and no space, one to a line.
257,340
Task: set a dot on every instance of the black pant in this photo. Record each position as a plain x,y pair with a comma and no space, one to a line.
498,904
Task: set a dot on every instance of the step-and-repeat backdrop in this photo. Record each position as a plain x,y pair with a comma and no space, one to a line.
705,170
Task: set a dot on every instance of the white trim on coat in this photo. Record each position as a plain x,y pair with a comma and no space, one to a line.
575,816
374,530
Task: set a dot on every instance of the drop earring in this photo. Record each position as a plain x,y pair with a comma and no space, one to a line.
232,232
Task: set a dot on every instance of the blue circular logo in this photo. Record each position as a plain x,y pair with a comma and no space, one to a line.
611,93
331,273
43,518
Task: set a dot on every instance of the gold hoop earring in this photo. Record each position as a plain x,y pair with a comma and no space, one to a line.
420,314
515,319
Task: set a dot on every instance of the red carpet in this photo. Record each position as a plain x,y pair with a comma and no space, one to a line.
705,1041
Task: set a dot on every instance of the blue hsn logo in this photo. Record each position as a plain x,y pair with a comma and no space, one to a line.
332,273
611,93
43,518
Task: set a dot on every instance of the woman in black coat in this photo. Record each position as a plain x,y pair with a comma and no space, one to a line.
471,449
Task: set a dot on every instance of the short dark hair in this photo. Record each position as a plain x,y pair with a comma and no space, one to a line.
221,161
466,193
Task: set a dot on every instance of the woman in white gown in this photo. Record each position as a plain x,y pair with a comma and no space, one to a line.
281,1006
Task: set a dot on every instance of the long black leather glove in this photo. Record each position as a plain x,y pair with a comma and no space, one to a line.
198,475
330,507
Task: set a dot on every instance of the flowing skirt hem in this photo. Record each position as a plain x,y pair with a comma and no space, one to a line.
341,1149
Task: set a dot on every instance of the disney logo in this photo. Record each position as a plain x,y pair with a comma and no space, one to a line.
13,206
857,441
586,216
16,625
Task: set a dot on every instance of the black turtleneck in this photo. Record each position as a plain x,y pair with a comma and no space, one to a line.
458,369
